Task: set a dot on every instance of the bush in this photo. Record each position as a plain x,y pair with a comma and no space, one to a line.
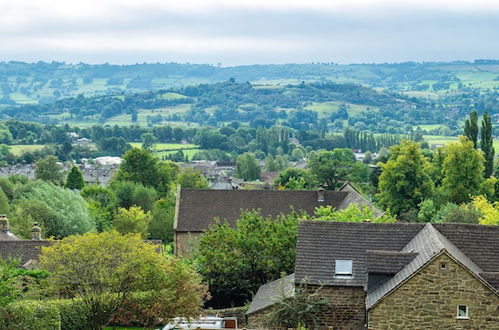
67,314
30,314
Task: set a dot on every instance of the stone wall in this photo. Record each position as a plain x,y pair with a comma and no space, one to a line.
185,243
429,300
347,309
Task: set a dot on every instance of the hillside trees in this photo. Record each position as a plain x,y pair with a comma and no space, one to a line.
404,182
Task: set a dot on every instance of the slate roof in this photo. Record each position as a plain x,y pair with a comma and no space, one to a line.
387,262
197,208
24,249
319,243
272,292
354,196
6,235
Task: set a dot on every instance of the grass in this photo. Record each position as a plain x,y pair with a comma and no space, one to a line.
19,149
163,149
437,139
325,109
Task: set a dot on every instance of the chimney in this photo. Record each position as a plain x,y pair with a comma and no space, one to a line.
320,194
4,223
36,232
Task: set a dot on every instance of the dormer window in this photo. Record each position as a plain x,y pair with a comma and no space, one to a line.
343,268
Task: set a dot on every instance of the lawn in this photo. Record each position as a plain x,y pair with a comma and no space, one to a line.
163,149
437,139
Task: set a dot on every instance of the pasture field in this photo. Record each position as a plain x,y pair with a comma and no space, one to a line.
437,139
167,146
19,149
325,109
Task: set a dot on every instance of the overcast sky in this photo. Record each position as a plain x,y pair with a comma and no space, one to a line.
248,31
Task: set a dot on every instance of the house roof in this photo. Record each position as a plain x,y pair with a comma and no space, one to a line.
23,249
198,208
320,243
399,248
354,196
6,235
272,292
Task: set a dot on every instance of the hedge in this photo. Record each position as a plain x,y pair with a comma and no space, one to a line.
41,315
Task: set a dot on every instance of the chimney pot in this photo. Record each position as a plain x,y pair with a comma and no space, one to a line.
36,232
320,194
4,223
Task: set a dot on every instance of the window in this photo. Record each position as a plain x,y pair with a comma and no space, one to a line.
343,268
462,312
443,265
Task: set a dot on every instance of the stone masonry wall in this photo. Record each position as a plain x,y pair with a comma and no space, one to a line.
429,300
185,244
347,309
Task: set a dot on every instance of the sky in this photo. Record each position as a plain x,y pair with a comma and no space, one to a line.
237,32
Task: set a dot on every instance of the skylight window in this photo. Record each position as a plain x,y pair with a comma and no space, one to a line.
343,268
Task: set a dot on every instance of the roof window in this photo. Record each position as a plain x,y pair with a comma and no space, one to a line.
343,268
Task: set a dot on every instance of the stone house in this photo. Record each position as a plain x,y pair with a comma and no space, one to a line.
397,276
197,209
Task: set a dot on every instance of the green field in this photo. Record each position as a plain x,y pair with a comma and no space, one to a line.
437,139
325,109
20,149
163,149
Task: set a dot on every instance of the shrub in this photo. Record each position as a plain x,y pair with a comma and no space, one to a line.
30,314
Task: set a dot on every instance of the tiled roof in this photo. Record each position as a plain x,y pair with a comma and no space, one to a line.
320,243
272,292
354,196
6,235
197,208
387,262
24,249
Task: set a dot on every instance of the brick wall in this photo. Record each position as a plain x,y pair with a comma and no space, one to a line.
429,301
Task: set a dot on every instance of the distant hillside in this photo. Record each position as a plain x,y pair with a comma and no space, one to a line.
22,83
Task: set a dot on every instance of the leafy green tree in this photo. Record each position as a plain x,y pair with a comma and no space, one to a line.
139,165
247,167
463,171
49,170
106,269
487,144
332,168
404,182
132,221
65,212
148,141
191,178
128,194
161,225
471,128
298,175
234,262
75,179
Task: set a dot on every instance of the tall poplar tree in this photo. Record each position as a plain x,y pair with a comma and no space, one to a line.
486,143
471,128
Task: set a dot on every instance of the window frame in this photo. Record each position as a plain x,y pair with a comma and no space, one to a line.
467,309
343,274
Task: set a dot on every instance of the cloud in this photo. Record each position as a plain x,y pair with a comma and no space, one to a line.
243,31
